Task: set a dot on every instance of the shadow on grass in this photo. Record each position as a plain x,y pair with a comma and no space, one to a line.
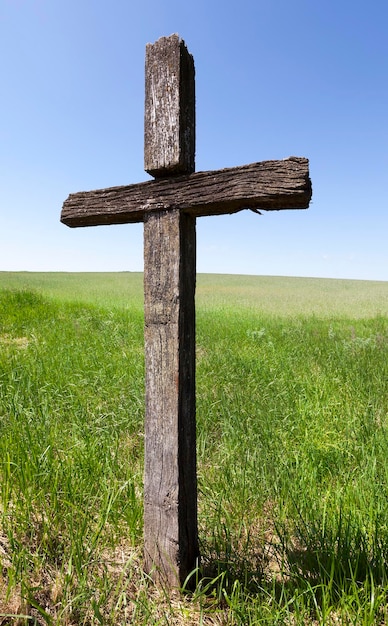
297,577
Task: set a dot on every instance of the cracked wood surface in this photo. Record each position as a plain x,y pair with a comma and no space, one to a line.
267,185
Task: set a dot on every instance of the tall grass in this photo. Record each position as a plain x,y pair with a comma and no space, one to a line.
292,447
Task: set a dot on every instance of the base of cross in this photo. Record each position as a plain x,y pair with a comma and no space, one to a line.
168,207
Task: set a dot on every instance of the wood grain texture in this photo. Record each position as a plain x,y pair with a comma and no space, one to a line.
170,487
268,185
169,118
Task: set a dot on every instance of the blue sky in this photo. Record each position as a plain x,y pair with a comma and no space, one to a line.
274,78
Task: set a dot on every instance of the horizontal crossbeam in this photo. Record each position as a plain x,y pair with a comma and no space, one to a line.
268,185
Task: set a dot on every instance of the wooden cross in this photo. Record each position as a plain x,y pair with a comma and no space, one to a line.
168,206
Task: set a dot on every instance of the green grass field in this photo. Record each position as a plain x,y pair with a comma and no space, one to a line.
292,416
278,296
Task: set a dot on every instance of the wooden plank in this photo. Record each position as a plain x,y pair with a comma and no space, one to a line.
169,119
170,482
268,185
170,486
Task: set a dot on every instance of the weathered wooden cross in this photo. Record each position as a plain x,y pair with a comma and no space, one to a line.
168,206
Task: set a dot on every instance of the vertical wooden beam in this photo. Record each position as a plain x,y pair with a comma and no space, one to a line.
170,487
170,483
169,117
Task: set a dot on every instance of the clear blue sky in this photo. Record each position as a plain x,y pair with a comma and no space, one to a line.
274,78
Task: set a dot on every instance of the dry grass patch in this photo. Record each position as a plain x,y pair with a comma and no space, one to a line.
122,594
18,342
